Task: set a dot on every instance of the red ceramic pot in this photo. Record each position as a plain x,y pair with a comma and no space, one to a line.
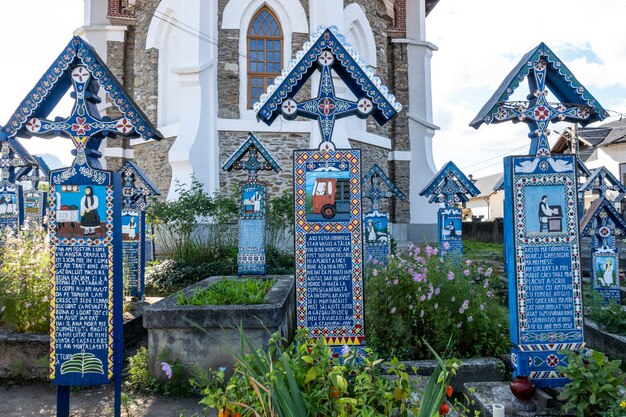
523,389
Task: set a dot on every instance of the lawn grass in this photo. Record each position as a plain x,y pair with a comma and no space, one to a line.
229,291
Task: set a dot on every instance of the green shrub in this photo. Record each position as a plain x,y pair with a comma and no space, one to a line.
139,379
594,389
171,275
229,291
608,316
25,281
420,296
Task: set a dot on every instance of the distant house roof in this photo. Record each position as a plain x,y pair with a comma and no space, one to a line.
486,185
591,138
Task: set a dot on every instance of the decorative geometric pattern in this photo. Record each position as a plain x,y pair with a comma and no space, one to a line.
306,161
544,71
449,186
136,187
327,49
375,194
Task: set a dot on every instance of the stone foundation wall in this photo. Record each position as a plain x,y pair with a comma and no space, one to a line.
399,174
152,158
279,145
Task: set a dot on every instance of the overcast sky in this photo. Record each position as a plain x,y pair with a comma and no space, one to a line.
479,43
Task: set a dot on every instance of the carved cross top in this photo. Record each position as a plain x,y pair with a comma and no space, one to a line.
81,125
326,107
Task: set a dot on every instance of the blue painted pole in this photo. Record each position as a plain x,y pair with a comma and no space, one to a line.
63,401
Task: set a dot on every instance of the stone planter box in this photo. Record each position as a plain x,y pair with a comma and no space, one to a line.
24,356
208,335
614,345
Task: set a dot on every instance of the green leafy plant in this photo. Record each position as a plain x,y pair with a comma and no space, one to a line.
307,379
608,316
594,389
280,219
420,295
25,280
229,291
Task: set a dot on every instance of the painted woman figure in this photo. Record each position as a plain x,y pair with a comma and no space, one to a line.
132,228
371,231
607,278
89,219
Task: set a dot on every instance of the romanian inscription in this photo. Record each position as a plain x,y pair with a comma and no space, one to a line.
329,280
549,288
130,259
81,305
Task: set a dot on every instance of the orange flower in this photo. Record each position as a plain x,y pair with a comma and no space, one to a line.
444,409
449,391
224,412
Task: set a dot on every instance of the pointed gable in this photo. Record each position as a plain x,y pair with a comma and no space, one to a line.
602,210
240,153
375,171
144,182
559,80
450,183
602,179
348,65
53,85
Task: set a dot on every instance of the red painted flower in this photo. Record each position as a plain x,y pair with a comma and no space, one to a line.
80,127
444,409
449,391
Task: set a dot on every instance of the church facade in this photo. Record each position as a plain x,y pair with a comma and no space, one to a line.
196,67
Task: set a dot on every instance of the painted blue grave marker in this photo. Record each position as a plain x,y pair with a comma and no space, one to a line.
12,156
35,200
377,228
252,215
84,220
450,187
541,217
604,225
136,187
327,185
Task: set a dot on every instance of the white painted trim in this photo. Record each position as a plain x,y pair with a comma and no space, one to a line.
194,69
238,14
422,121
252,125
111,33
119,153
400,156
235,10
415,42
370,139
359,33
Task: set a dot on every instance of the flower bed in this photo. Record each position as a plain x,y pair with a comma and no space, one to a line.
422,296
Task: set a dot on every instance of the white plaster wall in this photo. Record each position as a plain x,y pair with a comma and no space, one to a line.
189,74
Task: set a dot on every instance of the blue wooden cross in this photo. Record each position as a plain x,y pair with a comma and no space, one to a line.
35,200
376,223
602,180
327,107
544,72
136,187
604,225
252,157
84,219
12,157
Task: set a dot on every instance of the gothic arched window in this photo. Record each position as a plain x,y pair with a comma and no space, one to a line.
265,53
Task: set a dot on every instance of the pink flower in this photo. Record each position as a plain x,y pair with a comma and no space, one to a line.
422,298
375,261
468,262
410,246
466,304
488,272
486,283
27,305
435,251
419,277
446,245
417,250
482,307
167,369
410,271
466,272
429,251
480,270
437,290
395,281
422,313
450,276
490,294
374,271
393,310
